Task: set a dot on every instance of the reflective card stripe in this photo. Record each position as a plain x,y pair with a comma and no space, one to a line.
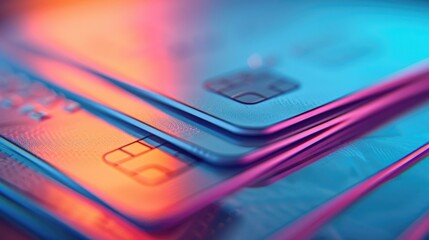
307,225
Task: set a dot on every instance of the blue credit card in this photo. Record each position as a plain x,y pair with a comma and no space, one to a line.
257,213
386,212
248,67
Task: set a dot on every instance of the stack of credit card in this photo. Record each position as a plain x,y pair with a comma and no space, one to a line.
215,120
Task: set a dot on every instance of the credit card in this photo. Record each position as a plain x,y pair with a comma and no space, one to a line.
387,211
374,207
260,213
111,164
120,166
206,141
72,215
247,67
200,140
